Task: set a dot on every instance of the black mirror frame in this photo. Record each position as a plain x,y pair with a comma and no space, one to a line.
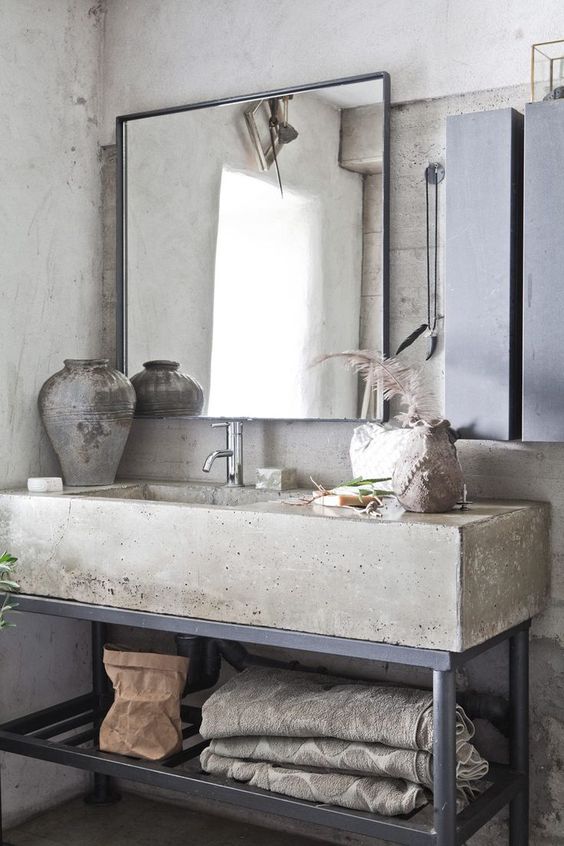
121,202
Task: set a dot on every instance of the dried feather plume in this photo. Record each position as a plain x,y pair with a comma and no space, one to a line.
394,379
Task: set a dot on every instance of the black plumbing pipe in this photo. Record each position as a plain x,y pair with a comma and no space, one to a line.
240,658
486,706
204,662
205,657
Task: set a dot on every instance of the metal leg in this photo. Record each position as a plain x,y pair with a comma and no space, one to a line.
102,792
2,841
444,756
519,738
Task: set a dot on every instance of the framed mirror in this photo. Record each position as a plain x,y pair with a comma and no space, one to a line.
253,238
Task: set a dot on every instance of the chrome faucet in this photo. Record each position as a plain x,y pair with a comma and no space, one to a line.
233,452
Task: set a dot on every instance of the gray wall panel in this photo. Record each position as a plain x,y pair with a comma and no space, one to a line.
543,300
483,273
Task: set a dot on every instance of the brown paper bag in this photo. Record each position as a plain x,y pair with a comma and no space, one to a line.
144,721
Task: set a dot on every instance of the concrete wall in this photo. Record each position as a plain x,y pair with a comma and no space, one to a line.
161,52
50,269
169,52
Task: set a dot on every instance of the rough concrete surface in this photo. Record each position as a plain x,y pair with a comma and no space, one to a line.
42,661
143,822
165,52
443,581
50,265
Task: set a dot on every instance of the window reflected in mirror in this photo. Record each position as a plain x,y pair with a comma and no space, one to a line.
254,246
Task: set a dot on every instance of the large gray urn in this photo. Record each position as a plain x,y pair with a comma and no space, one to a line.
87,409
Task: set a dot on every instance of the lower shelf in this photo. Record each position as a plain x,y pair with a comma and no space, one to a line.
64,734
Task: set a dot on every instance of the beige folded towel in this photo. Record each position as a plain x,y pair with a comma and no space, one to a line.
361,746
344,756
385,796
283,703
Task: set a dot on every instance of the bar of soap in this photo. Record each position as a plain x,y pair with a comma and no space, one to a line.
350,500
276,478
44,484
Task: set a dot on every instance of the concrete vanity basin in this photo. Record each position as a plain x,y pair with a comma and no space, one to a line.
445,581
192,493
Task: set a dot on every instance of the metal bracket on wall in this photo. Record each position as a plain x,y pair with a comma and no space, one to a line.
434,173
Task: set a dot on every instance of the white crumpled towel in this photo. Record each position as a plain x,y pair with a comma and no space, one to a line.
375,450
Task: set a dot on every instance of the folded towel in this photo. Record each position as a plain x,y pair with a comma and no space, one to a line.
283,703
343,756
361,746
385,796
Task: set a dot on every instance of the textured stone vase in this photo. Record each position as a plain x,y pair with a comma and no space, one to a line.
428,477
87,409
164,392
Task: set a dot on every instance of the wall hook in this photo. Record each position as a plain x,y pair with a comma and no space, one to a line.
434,173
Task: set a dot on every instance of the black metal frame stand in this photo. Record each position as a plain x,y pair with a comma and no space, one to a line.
67,733
103,792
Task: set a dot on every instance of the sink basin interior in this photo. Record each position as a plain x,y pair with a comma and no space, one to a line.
191,493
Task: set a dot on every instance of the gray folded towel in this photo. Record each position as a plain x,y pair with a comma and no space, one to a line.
283,703
361,746
344,756
385,796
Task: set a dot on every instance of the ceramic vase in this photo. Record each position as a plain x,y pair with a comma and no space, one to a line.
427,477
162,391
87,409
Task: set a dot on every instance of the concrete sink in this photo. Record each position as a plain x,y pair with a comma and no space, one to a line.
444,581
191,493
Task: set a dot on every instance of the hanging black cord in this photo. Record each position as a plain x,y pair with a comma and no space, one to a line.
428,240
432,298
433,325
433,173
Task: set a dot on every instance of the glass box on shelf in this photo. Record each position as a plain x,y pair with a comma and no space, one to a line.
547,70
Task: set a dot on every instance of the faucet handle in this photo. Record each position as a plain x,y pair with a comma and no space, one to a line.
225,425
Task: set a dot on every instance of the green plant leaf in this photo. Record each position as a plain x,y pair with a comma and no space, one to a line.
6,558
360,481
7,587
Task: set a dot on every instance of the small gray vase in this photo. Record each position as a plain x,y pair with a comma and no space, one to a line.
427,477
87,409
164,392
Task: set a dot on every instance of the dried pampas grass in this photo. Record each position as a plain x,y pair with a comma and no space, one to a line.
394,379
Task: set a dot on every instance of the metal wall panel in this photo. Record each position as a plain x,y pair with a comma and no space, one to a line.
543,294
484,273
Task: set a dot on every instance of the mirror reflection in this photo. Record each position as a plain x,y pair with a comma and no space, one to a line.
254,246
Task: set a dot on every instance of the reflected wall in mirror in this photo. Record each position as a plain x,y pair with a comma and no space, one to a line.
252,240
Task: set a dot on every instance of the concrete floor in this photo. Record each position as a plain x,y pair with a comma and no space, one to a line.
136,821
